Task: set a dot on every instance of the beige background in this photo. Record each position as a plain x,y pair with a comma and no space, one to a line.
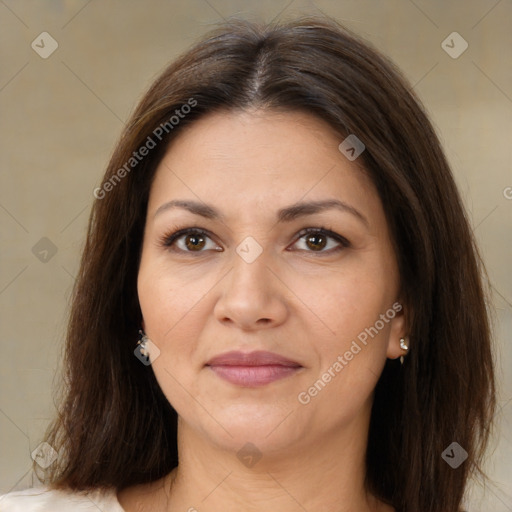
62,115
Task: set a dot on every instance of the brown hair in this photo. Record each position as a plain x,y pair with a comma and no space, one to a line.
116,428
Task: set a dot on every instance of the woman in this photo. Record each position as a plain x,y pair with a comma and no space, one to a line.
279,222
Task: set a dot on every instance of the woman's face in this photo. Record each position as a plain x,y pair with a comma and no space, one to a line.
325,305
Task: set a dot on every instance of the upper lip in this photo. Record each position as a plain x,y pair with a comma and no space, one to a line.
256,358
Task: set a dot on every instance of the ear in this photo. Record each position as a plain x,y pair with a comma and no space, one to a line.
143,325
398,330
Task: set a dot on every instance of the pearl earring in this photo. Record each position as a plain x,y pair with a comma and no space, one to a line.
403,346
143,340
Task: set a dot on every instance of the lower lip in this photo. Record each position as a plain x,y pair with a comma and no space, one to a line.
253,376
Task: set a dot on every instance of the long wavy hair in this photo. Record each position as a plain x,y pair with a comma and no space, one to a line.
114,426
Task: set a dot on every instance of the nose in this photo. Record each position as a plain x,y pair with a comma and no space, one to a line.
252,297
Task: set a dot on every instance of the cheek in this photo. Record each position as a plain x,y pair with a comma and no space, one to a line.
167,304
346,303
170,310
350,353
350,330
167,296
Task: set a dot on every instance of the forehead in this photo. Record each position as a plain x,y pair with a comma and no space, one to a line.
259,158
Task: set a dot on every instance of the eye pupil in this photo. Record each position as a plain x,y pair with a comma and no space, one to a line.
195,241
312,239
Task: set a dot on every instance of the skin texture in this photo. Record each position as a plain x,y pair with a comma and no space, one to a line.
299,298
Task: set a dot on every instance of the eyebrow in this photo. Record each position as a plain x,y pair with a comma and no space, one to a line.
287,214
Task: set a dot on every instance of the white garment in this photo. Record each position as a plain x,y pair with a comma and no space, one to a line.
43,499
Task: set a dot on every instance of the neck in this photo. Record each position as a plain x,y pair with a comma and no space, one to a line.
314,476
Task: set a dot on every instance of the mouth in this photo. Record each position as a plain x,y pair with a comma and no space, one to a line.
252,369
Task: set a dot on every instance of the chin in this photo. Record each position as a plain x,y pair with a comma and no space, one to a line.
266,427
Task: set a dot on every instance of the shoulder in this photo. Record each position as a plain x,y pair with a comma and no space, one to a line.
43,499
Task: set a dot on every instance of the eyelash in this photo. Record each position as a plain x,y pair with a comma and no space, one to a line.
175,234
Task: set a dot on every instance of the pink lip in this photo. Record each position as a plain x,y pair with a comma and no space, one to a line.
252,369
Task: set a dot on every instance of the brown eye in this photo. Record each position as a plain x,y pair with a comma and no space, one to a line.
316,241
190,240
321,241
195,241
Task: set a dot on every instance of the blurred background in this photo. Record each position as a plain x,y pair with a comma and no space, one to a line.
71,72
